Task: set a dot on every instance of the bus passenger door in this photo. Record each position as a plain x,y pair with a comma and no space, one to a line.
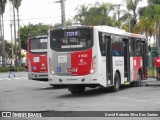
109,65
144,58
126,59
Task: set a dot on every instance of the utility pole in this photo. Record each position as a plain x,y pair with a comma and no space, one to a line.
118,5
15,39
12,42
63,13
2,8
3,46
11,27
63,19
19,40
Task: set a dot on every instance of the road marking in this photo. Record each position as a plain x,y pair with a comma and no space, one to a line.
7,78
14,78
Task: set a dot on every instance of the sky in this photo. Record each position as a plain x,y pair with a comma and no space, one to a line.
47,11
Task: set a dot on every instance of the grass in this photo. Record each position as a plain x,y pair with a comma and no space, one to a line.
151,72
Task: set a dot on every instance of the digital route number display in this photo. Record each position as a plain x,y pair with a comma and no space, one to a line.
72,33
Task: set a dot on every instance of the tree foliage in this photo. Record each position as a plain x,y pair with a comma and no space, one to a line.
17,3
99,14
2,6
8,49
32,30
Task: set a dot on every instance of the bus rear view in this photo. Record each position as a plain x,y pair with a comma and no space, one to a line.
91,56
70,57
37,57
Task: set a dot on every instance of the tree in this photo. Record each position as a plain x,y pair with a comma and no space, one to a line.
146,23
32,30
155,15
2,10
99,14
81,13
145,26
132,7
8,49
17,4
150,20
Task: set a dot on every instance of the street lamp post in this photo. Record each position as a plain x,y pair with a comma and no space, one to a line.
12,42
14,25
63,19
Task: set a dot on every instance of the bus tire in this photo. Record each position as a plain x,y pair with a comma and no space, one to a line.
76,89
116,86
56,86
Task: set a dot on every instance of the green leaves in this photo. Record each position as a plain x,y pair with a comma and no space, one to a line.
32,30
99,14
2,6
17,3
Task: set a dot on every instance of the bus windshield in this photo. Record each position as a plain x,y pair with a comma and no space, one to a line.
38,45
71,39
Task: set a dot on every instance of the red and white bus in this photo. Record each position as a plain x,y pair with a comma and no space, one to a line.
37,57
91,56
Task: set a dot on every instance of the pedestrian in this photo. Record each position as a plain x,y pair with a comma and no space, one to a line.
11,70
157,65
26,67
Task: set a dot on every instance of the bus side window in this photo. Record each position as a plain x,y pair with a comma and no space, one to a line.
117,46
102,45
132,46
138,47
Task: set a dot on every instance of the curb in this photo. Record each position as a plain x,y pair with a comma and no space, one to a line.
151,84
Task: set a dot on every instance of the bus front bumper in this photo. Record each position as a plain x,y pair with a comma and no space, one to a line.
73,80
34,75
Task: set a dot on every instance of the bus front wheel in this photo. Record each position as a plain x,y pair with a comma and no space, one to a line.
116,85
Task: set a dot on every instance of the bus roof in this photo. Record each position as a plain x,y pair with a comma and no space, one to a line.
104,28
118,31
40,36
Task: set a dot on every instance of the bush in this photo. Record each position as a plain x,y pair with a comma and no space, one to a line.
6,69
151,72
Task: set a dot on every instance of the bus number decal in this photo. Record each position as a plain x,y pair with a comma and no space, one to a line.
35,59
43,40
83,55
62,59
118,63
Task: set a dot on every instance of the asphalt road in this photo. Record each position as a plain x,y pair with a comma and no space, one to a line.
21,94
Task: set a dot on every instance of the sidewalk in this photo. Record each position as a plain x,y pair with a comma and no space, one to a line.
150,82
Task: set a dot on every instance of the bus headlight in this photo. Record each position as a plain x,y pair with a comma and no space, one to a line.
93,66
52,72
